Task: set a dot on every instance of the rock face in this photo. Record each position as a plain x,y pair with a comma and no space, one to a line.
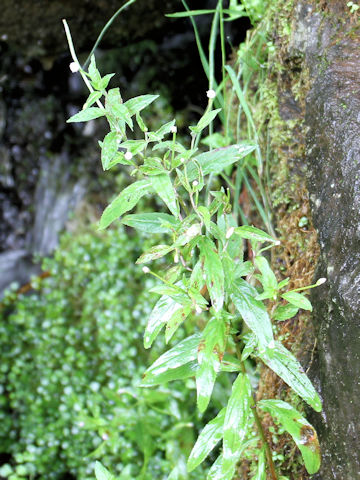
330,44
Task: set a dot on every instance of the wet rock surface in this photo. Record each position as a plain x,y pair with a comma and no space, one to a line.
330,43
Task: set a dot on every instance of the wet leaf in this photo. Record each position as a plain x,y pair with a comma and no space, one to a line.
210,353
124,202
253,312
302,432
175,321
298,300
154,253
284,364
164,188
236,423
151,222
213,271
87,114
207,440
177,363
268,279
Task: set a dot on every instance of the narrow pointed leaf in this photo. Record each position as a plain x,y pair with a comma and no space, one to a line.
217,160
213,271
151,222
87,114
124,202
154,253
205,120
236,422
92,98
210,354
179,362
253,233
175,321
298,300
109,149
207,441
268,278
164,188
163,311
302,432
136,104
253,313
284,364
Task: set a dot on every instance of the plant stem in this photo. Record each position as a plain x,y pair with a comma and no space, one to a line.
257,418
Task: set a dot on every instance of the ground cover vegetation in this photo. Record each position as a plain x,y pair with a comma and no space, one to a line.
218,298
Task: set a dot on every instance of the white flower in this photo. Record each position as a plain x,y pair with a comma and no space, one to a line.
176,258
81,424
211,94
321,281
229,232
173,129
128,155
74,67
146,269
277,242
195,183
105,436
182,160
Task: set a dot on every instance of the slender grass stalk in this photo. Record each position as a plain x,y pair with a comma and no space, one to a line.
103,31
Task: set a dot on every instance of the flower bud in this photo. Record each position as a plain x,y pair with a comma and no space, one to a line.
74,67
211,94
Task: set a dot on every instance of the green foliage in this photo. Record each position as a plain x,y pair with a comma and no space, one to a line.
224,298
71,360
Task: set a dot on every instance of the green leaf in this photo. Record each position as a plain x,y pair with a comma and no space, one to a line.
87,114
102,473
216,160
161,132
103,82
134,146
284,364
302,432
164,188
92,98
253,312
268,278
261,467
93,71
151,222
124,202
230,363
109,149
154,253
165,308
210,353
216,140
215,472
136,104
205,120
175,364
175,321
298,300
249,346
190,13
284,312
213,271
207,441
253,233
236,423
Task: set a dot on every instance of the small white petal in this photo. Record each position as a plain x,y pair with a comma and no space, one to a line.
173,129
321,281
211,94
176,258
277,242
146,269
74,67
81,424
128,155
105,436
195,183
182,160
